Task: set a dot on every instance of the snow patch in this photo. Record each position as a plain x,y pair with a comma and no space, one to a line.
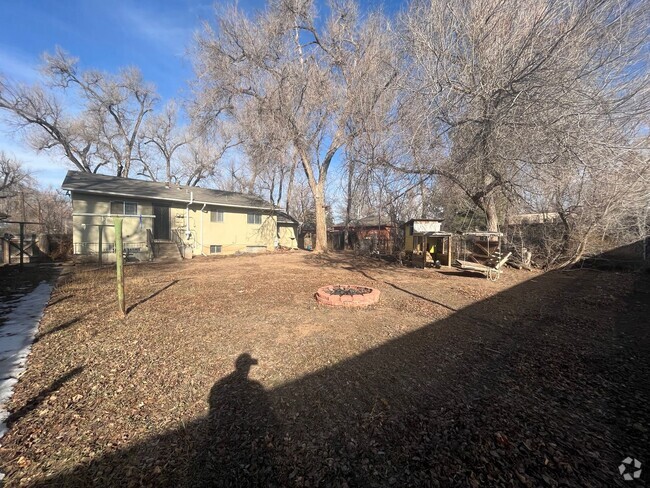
22,316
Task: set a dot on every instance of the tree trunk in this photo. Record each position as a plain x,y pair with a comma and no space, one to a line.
492,215
348,207
423,205
290,187
321,218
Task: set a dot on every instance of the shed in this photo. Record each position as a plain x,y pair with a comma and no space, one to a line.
425,242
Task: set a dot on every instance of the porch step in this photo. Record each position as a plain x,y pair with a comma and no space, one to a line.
166,252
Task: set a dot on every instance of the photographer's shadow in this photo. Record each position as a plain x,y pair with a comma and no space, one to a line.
240,433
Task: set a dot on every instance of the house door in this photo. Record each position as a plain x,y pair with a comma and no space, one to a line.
161,223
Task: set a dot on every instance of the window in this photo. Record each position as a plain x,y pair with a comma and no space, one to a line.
130,208
124,208
215,248
216,216
255,219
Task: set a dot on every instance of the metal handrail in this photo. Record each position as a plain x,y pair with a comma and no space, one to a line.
178,240
150,244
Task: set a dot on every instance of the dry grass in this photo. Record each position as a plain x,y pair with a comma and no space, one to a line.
339,396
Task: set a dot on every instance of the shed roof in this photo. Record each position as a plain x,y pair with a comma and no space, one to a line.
408,222
483,233
78,181
433,234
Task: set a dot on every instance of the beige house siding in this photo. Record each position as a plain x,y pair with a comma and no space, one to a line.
234,234
192,223
287,236
91,215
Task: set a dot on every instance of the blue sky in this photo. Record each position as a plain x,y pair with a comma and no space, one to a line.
105,35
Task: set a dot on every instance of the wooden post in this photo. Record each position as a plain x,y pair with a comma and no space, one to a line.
22,239
449,251
101,228
119,259
6,252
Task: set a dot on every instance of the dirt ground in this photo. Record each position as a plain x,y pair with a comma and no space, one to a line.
226,372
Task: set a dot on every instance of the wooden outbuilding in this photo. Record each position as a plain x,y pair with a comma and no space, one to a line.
426,244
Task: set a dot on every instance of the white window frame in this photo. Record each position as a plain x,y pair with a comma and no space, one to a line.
256,218
218,248
124,204
217,216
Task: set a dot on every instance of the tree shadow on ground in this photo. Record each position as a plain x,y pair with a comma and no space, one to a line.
421,297
58,328
513,390
35,401
349,258
59,300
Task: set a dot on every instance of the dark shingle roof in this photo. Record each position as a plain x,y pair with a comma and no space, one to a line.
285,218
81,182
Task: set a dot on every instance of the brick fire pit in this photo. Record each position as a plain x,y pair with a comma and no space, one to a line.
347,295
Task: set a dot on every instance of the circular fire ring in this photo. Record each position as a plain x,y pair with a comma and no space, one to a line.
347,295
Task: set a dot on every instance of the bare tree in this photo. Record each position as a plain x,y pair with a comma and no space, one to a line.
497,89
106,129
200,158
308,80
12,175
117,104
161,131
39,113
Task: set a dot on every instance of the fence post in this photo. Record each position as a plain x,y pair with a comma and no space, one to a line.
119,259
22,239
101,231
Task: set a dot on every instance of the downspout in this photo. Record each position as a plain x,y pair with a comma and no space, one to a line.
202,209
187,216
187,222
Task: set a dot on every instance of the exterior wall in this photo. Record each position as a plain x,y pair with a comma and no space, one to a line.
91,215
193,226
426,226
287,235
234,234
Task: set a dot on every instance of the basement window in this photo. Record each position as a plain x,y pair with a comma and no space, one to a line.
216,216
215,248
255,219
124,208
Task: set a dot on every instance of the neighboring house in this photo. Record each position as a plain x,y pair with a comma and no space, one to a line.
171,220
534,218
372,233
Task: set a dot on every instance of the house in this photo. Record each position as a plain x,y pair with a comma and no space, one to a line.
171,220
534,218
371,233
425,242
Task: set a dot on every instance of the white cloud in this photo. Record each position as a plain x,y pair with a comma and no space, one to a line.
163,32
18,66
